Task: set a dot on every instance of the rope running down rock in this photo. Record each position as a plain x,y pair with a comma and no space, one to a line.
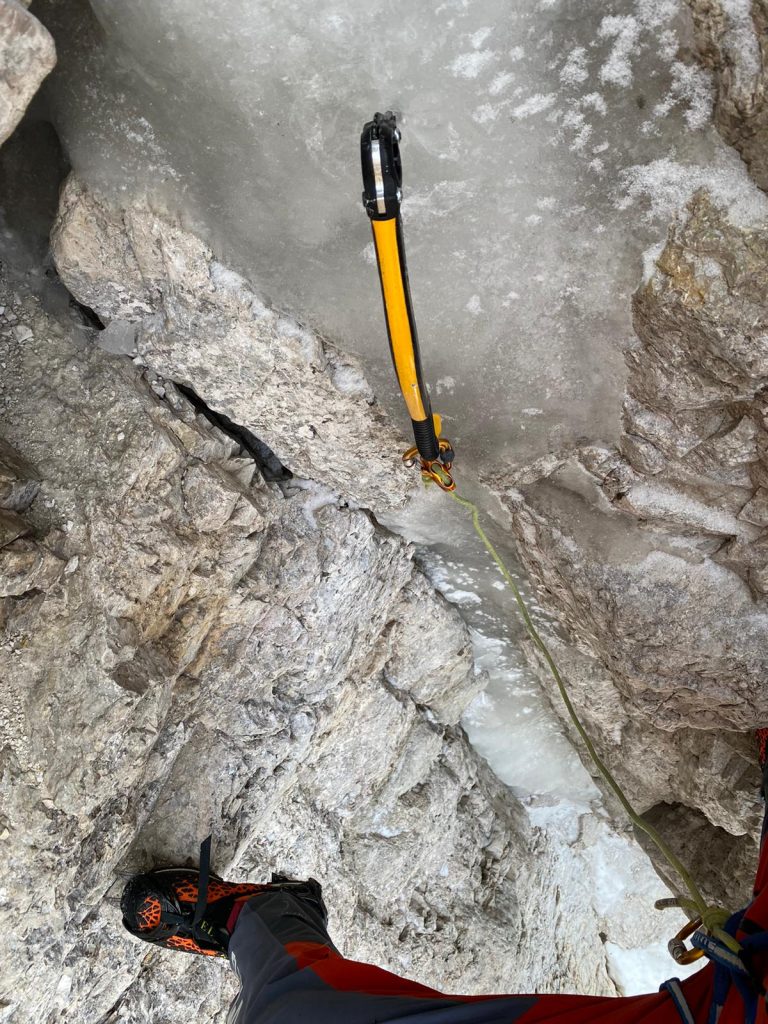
712,917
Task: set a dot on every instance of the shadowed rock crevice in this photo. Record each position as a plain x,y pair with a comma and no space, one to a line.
270,466
197,321
704,848
32,169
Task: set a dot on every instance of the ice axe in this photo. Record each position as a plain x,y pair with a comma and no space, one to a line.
382,195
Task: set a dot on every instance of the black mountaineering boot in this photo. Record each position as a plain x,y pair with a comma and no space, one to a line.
184,909
194,911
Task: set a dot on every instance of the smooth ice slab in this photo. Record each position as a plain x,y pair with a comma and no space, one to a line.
534,134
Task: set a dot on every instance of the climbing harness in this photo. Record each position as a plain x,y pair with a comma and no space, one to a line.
382,194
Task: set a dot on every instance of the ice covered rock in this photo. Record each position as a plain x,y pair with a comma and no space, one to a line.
732,41
655,556
524,232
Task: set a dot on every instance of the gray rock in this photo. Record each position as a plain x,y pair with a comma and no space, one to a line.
19,482
200,324
732,42
26,566
221,655
118,338
655,556
27,55
11,527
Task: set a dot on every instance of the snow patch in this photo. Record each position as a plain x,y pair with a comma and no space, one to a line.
348,379
625,31
469,65
574,71
691,88
500,82
534,105
316,497
478,38
668,185
650,256
741,41
227,280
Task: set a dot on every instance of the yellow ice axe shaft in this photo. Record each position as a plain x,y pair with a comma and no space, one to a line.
382,180
403,341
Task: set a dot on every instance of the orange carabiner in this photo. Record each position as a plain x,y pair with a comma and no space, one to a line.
436,471
677,947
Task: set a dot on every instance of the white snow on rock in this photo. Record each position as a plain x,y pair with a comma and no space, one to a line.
469,65
741,41
667,185
534,105
574,71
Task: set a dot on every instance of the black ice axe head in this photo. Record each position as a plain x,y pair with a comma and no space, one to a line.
382,170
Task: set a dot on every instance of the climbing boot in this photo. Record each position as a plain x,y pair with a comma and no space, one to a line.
195,911
183,908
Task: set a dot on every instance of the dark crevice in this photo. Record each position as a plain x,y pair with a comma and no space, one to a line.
271,467
89,317
689,833
33,166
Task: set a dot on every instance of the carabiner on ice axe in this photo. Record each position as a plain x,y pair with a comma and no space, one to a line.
382,194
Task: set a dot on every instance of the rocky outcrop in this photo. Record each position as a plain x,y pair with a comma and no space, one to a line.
197,322
191,645
188,647
27,55
655,553
660,687
732,42
26,565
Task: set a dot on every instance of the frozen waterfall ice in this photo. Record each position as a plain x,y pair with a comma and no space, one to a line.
534,135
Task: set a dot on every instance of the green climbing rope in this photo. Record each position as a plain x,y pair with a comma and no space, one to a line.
712,917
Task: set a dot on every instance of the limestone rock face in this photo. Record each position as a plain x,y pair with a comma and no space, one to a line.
27,55
199,323
188,647
629,545
655,554
732,42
